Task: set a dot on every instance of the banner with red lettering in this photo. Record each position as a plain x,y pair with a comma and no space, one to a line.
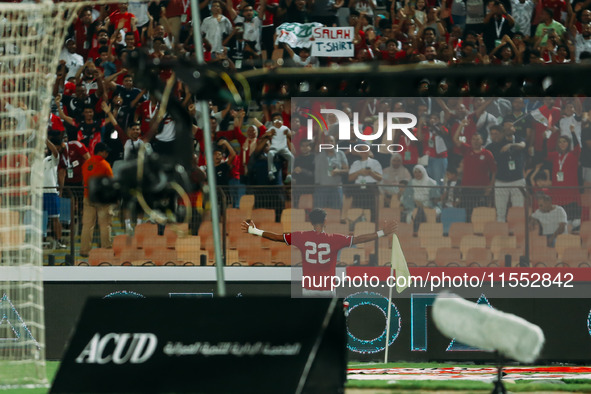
333,41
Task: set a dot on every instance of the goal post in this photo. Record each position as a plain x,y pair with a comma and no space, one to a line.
32,35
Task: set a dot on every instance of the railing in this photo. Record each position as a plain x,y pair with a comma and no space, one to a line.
458,226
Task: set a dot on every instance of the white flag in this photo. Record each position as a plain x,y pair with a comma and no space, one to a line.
398,262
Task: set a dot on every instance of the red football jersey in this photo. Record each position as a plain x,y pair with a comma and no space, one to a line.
146,111
319,255
73,156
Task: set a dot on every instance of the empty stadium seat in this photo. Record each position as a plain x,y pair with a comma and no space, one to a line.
305,226
282,255
471,241
101,256
518,231
355,214
404,229
246,204
408,242
389,214
144,230
384,256
337,228
121,242
12,237
416,257
364,228
431,244
537,241
173,231
385,242
263,215
255,256
430,214
500,242
448,257
574,257
333,215
516,217
234,216
232,257
585,231
347,256
430,230
132,257
272,227
188,249
542,257
478,257
458,230
156,250
293,215
306,201
564,241
452,215
494,229
515,254
394,201
482,215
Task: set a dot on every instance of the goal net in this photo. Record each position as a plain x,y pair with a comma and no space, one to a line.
32,35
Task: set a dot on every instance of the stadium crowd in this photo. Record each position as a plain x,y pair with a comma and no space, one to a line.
501,142
494,148
242,34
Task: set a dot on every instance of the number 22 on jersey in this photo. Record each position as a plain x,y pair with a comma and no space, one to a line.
317,253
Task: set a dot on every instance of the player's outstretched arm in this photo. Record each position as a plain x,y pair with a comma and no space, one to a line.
249,227
388,229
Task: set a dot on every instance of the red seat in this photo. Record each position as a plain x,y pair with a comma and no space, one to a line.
479,257
448,257
101,256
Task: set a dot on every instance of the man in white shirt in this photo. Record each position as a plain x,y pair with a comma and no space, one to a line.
582,40
215,27
280,145
252,25
134,143
73,60
51,199
522,12
571,121
303,59
430,57
552,218
365,172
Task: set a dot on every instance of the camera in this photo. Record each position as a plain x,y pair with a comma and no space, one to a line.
151,177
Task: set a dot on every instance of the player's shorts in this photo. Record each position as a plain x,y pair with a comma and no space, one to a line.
51,204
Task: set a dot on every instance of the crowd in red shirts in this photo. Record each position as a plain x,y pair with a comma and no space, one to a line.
97,99
493,148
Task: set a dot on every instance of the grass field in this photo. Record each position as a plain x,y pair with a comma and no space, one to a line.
384,386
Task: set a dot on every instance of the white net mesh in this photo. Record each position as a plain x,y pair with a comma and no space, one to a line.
31,38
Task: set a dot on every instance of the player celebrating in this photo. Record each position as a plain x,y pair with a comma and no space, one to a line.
319,250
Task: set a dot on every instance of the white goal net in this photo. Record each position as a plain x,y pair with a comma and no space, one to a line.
32,35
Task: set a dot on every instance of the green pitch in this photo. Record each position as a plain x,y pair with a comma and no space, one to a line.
375,386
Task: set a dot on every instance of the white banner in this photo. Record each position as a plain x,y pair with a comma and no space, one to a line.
296,35
333,41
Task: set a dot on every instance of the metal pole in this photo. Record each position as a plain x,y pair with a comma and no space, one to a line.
389,313
526,218
213,197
